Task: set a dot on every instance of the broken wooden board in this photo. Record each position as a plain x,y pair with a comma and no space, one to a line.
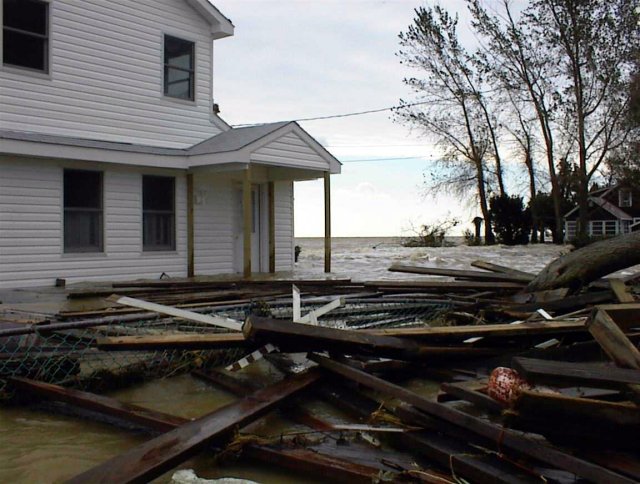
294,337
569,303
203,341
613,340
460,333
473,391
508,439
563,372
408,286
99,403
626,316
153,458
621,290
459,274
490,266
218,321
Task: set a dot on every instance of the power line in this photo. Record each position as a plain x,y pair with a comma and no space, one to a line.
384,159
333,116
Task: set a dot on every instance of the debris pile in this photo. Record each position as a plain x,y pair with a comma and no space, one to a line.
533,386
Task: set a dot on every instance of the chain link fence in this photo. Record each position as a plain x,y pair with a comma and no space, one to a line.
68,355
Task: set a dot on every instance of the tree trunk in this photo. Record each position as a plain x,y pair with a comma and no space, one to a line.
589,263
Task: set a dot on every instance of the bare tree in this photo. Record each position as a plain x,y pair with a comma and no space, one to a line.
523,69
453,108
592,42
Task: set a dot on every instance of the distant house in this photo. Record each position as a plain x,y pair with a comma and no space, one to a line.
114,163
613,211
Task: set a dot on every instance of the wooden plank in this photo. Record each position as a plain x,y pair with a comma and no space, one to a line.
470,392
489,266
562,372
444,285
613,341
99,403
458,274
289,336
218,321
310,462
487,330
626,316
507,439
158,455
208,341
568,303
621,291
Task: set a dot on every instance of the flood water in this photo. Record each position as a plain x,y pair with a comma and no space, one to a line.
41,446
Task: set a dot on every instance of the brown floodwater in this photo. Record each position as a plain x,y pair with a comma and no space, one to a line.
41,446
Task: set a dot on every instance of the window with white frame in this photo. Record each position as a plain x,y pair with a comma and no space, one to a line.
179,63
25,34
82,211
610,227
596,227
570,228
158,213
625,198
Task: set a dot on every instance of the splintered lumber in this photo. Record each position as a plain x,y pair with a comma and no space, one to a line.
99,403
569,303
459,274
582,266
490,266
448,333
219,321
613,340
472,391
290,336
621,291
505,439
446,286
158,455
592,374
588,412
626,316
207,341
311,462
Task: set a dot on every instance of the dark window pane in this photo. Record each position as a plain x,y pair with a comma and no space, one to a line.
157,193
82,189
178,52
158,213
24,51
29,15
82,231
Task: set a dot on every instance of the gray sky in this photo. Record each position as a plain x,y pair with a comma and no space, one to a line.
293,59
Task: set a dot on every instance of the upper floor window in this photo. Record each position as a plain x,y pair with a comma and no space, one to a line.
625,198
179,62
25,34
158,213
82,211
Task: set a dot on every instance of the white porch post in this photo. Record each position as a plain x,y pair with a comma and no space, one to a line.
247,212
327,221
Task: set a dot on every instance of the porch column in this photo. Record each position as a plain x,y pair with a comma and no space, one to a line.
327,222
247,209
190,228
272,228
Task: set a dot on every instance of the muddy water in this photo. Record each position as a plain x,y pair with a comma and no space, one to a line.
38,446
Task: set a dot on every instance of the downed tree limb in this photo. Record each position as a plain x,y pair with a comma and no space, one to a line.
582,266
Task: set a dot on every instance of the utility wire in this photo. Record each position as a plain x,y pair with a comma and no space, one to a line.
333,116
384,159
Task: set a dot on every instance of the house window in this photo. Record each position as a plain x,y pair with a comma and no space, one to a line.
82,211
571,227
610,227
179,68
158,213
25,34
625,198
597,227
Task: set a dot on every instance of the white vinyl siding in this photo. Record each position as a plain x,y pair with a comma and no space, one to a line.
106,76
31,222
283,194
213,225
290,151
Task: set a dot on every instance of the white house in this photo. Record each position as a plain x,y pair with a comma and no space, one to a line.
113,161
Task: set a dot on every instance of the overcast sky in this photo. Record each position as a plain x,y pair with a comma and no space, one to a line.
293,59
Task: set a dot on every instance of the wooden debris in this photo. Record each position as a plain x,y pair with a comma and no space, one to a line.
613,340
206,341
490,266
460,274
621,291
505,438
161,454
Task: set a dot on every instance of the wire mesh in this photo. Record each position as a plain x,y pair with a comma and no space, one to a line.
70,357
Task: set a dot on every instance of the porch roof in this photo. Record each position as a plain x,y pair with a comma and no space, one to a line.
283,144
